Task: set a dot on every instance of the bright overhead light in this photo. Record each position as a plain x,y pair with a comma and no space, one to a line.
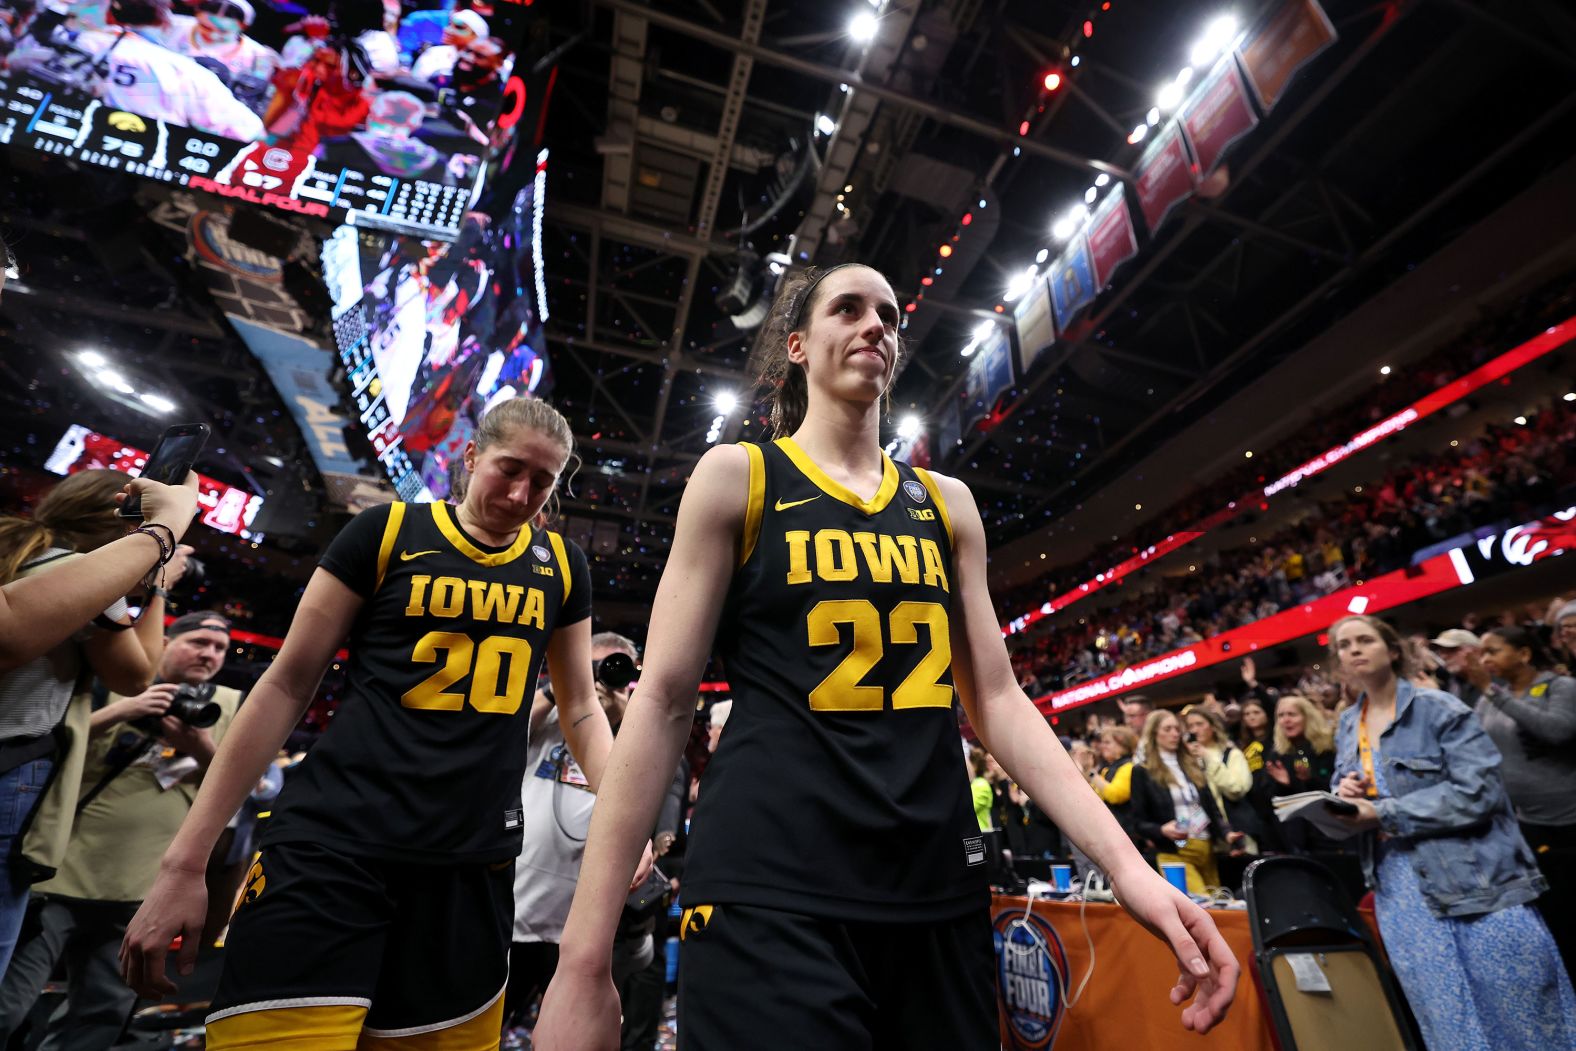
970,347
1137,135
909,427
1169,96
725,401
1248,454
1384,370
984,330
158,402
1102,179
1068,224
92,359
1153,116
1184,76
862,27
824,124
1571,396
1045,253
1090,194
849,188
111,378
1218,36
1075,61
1521,421
1019,285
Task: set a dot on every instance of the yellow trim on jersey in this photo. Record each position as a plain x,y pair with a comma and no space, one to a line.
473,1032
390,538
929,482
837,490
328,1027
755,506
452,533
563,561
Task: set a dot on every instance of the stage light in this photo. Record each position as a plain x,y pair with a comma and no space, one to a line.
849,188
1023,128
1248,454
92,359
1571,396
984,330
1088,28
158,403
1217,37
970,347
1075,61
1045,253
1102,179
944,251
927,280
909,427
1137,135
909,308
1521,421
1067,225
968,217
1020,284
1384,370
1138,507
1184,76
725,401
1090,194
1052,81
1153,116
825,125
863,27
982,202
111,378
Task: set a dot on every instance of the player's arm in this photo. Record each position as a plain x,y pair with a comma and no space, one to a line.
177,903
1014,731
581,1008
580,714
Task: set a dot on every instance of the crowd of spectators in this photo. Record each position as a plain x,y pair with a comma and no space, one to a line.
1505,476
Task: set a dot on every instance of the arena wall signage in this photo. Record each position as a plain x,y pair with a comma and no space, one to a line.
1032,316
1515,548
299,371
1164,176
1217,115
1031,972
1291,39
1112,240
1072,281
222,507
311,115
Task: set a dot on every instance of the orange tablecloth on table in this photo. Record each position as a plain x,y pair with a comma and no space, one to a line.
1126,1003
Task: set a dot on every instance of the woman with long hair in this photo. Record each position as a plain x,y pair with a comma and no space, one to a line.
1451,874
381,905
1112,778
1226,769
835,877
1301,761
1174,813
1529,712
77,517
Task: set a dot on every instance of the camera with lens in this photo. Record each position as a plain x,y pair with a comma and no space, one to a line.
192,705
615,671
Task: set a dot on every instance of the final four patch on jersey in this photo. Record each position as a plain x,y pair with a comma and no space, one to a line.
541,552
915,491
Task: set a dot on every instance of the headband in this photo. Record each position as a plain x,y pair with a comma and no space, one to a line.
798,314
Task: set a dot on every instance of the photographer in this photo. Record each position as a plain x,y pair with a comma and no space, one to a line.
145,756
77,516
557,802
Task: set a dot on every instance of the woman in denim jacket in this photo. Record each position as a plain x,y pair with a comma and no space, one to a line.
1451,874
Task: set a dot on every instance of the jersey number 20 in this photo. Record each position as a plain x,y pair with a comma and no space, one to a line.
483,663
841,691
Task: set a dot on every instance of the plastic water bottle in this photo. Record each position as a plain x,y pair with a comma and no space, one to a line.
672,950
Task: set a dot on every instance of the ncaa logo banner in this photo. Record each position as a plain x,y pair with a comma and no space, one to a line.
1031,971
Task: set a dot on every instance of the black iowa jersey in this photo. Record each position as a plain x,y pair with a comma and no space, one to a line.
424,758
838,788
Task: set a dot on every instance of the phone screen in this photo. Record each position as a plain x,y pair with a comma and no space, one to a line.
170,461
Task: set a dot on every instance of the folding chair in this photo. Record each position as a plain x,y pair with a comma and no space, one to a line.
1307,936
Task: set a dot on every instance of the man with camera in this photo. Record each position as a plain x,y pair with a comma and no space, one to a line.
145,758
557,804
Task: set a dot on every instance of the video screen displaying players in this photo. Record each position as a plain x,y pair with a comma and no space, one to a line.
378,112
432,334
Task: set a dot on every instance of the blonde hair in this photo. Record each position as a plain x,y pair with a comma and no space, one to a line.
1155,766
1123,736
78,514
501,421
788,388
1315,727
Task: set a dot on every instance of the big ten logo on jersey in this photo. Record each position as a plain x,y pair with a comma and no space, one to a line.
1031,972
542,555
835,555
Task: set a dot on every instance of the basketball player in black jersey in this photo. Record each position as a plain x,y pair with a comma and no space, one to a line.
379,911
835,885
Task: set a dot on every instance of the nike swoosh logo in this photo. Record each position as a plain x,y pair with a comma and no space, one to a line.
406,556
782,506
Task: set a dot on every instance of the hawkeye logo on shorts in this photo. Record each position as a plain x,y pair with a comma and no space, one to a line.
915,491
541,553
255,882
695,920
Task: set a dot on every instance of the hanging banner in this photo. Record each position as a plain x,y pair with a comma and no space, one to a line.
1036,332
299,371
1217,114
1290,40
1165,176
1112,240
1072,282
990,373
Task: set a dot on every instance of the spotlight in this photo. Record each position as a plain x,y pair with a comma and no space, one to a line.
725,402
909,427
862,27
984,330
158,403
825,125
1137,135
92,359
1217,37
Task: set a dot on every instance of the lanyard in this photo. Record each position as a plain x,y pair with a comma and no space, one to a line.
1365,752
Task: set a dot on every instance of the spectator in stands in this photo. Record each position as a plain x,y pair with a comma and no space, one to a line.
464,26
1303,758
719,719
1452,875
1564,622
1112,780
1255,737
1174,815
1135,713
1226,770
1530,714
138,781
980,789
77,516
1458,648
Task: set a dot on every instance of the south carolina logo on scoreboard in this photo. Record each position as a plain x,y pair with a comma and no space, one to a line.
1031,971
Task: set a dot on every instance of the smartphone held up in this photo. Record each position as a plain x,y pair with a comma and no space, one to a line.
171,460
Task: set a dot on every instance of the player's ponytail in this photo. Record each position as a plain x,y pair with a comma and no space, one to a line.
787,389
532,413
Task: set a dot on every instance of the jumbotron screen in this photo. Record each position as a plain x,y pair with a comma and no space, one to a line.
433,334
372,112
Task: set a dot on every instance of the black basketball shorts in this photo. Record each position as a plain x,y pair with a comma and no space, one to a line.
330,952
769,980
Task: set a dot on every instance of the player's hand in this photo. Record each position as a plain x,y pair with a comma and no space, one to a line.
580,1012
177,905
1209,972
